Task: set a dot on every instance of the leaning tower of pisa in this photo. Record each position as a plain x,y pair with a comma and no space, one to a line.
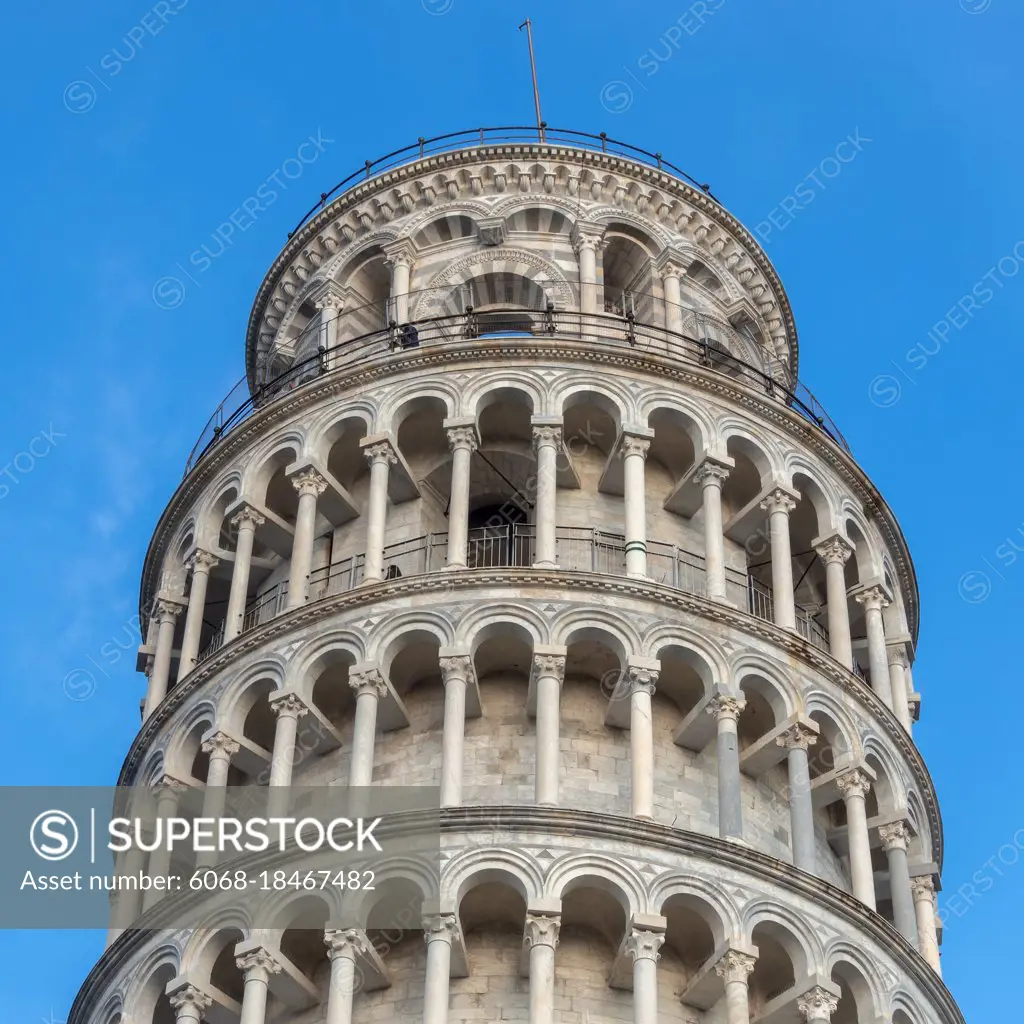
521,499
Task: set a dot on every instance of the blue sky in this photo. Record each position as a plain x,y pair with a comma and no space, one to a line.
130,139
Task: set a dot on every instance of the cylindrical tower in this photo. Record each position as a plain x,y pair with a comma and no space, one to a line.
522,499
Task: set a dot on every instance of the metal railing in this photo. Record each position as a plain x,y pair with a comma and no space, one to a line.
580,548
702,340
473,138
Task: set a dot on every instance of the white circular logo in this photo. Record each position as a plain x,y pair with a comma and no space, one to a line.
54,835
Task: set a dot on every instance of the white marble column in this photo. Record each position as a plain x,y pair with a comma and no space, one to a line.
189,1004
710,476
289,708
898,665
541,936
817,1005
642,678
381,457
438,930
245,522
644,947
167,611
874,600
344,947
201,563
895,837
796,740
734,969
329,307
670,274
834,552
548,673
257,966
369,687
166,793
726,710
927,934
547,440
221,749
634,445
586,244
462,440
854,786
455,674
400,261
310,485
778,505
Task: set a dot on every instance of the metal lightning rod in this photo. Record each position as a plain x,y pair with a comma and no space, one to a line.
533,67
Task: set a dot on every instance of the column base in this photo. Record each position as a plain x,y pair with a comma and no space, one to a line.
369,580
544,565
454,567
637,576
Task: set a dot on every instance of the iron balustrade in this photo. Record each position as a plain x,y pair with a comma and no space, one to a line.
473,138
579,548
704,340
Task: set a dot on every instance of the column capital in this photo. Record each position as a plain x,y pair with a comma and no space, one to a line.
853,783
366,678
549,434
188,1001
781,499
797,737
896,654
257,959
585,235
894,836
923,888
379,451
725,706
455,667
308,481
247,516
642,675
550,662
461,434
287,704
635,441
914,703
735,966
833,549
167,608
400,253
712,471
440,928
200,560
220,743
642,944
541,930
872,598
817,1004
167,784
346,942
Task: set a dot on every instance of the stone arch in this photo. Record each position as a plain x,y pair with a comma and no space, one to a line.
186,733
270,460
621,881
815,492
337,646
326,427
692,420
253,684
211,516
471,867
337,268
786,928
838,731
575,625
482,623
887,788
443,228
519,388
408,399
402,874
740,440
196,959
708,898
769,681
865,560
385,646
145,992
856,974
707,659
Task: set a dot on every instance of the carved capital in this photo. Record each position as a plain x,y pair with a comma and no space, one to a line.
711,474
349,943
797,737
167,609
552,665
873,599
897,655
201,561
923,888
817,1005
834,550
247,518
456,667
735,966
645,945
853,783
380,452
779,500
288,705
367,680
726,706
440,928
547,435
188,1001
257,960
309,481
220,743
641,680
634,444
894,836
167,787
542,930
462,437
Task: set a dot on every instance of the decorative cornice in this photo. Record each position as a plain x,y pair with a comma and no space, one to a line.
789,642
